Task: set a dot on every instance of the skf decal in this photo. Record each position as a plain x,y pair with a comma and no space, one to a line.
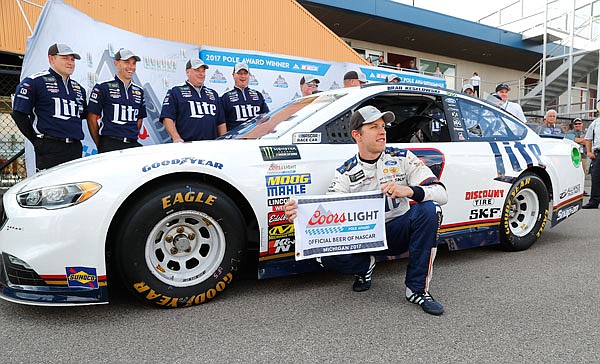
485,213
287,184
279,152
281,231
82,277
168,301
180,197
180,161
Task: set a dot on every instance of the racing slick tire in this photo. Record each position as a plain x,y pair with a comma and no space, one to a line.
180,244
524,213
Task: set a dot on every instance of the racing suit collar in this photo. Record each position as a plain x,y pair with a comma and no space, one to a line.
368,161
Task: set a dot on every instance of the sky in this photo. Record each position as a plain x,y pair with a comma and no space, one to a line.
472,10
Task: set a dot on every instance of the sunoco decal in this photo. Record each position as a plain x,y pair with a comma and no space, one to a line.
82,277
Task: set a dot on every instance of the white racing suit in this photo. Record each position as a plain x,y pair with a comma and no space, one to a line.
408,228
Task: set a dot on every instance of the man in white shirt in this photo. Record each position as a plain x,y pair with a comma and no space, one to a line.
512,107
475,82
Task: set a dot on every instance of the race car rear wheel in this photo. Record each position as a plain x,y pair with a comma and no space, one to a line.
524,214
180,245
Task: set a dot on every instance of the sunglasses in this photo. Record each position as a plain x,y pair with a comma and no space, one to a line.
578,124
312,84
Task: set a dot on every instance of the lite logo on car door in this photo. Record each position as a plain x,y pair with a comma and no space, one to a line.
530,152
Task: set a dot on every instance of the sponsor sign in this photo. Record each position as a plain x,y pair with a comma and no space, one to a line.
339,224
287,184
280,245
279,152
277,218
306,138
281,231
82,277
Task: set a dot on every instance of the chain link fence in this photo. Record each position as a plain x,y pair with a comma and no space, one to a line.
12,156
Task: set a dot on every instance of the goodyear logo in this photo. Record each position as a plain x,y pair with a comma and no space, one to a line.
288,179
82,277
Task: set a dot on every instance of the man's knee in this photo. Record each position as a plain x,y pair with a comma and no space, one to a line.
426,210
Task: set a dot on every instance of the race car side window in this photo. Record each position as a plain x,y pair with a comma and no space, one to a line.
483,123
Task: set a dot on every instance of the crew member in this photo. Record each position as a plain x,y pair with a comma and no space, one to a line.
49,107
242,103
192,111
354,78
117,107
309,85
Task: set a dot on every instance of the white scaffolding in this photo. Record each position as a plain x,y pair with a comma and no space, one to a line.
567,78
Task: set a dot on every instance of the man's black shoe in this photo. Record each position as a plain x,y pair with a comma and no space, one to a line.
427,303
363,281
589,206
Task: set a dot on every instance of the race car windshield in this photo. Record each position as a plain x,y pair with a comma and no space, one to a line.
279,121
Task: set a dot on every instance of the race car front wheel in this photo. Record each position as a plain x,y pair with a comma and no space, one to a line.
180,245
524,214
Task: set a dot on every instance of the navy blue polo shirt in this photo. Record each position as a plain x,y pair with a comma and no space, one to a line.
241,105
55,108
196,115
120,107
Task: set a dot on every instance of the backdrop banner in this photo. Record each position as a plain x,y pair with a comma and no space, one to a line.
276,76
162,65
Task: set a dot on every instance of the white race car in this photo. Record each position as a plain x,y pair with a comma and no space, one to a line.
176,221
